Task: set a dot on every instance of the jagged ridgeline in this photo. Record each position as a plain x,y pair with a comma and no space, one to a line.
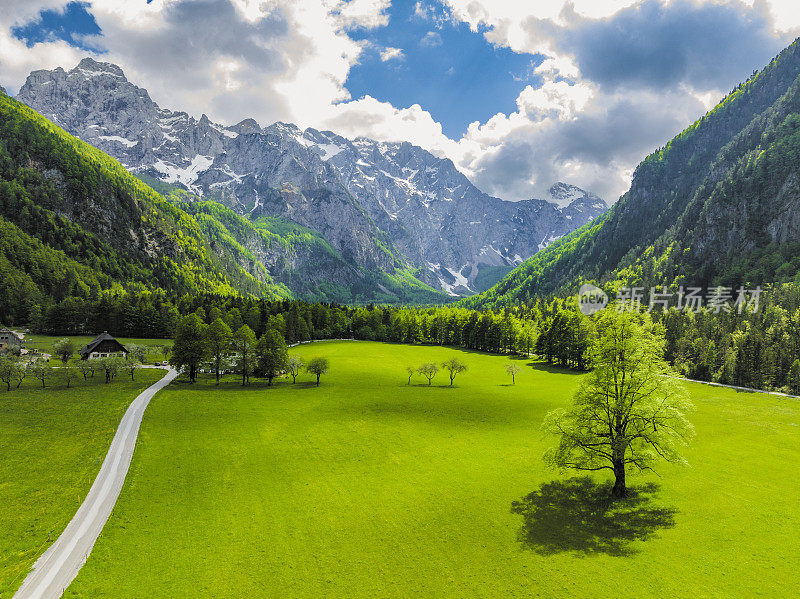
718,205
366,218
74,222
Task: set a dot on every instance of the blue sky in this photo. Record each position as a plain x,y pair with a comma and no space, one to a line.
452,72
70,25
561,90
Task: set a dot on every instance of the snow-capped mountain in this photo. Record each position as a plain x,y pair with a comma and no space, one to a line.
382,205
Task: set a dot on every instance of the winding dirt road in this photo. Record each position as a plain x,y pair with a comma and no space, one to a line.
59,565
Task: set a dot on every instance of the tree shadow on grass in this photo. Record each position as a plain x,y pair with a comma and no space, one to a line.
553,368
579,515
305,385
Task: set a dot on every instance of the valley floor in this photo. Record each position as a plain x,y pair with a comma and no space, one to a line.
52,443
368,487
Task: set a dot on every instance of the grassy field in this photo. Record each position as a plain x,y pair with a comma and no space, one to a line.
367,487
52,443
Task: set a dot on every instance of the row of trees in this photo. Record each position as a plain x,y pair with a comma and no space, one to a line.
240,351
14,370
760,350
453,366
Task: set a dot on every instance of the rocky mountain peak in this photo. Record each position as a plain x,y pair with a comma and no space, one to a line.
246,126
92,68
564,194
353,192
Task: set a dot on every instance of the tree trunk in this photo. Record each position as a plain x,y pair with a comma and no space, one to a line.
620,490
318,380
218,361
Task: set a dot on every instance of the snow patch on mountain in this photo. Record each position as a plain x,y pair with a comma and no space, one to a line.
351,191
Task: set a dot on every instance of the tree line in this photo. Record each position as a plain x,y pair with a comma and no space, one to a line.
224,350
752,349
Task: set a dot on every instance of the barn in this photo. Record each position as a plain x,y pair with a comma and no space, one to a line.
103,346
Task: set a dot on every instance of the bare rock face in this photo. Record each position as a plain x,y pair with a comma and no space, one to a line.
384,206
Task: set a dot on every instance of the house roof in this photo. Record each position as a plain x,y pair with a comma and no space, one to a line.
104,336
7,330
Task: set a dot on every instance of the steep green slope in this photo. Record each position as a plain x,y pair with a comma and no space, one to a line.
83,205
713,206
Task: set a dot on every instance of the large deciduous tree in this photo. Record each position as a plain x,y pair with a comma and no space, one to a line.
629,412
244,341
272,354
218,340
189,349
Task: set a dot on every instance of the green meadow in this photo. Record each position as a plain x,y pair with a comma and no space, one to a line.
369,487
52,443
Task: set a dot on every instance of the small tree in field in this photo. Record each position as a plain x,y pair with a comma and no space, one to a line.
454,366
64,349
429,371
111,367
20,373
9,366
138,352
513,370
318,367
410,371
131,364
629,411
68,375
86,368
166,351
294,364
42,371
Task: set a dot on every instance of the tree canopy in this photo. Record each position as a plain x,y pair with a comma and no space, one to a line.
629,412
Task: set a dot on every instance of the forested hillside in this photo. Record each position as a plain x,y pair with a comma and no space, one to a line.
78,222
716,205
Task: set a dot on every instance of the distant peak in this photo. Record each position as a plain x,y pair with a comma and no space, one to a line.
91,67
561,188
564,194
246,126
